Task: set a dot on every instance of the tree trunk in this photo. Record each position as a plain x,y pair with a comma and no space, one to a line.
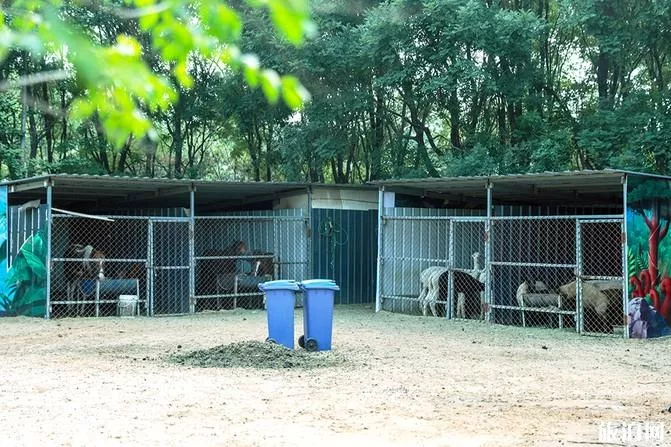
178,138
455,121
657,234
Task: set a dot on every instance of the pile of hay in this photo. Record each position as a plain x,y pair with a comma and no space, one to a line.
255,354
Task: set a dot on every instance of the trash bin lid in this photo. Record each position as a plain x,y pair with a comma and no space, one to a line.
280,284
328,284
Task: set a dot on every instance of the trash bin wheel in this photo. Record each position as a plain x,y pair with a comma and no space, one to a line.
271,340
301,341
311,345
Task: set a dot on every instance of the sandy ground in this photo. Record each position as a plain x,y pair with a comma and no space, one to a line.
408,381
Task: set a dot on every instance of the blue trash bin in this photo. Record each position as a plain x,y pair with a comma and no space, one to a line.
318,299
280,303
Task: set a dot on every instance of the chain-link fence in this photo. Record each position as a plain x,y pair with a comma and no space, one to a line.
428,259
234,254
98,266
468,274
600,276
104,266
531,258
557,271
414,262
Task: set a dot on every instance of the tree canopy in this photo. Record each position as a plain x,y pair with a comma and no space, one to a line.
399,88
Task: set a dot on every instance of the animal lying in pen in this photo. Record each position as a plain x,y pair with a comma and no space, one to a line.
538,295
601,297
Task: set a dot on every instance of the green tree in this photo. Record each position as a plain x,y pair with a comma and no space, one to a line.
118,87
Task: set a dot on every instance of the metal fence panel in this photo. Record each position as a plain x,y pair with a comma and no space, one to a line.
169,242
601,276
344,244
531,259
233,254
466,283
94,262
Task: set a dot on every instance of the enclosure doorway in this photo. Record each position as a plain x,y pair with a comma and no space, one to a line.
169,266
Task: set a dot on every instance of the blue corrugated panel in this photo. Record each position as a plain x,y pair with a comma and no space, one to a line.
344,248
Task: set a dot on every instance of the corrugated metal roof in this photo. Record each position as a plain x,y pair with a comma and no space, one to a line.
587,186
115,190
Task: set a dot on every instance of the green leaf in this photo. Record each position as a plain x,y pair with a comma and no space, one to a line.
270,84
293,93
36,264
3,251
182,75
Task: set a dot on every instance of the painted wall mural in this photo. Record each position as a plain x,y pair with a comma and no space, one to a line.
649,257
23,285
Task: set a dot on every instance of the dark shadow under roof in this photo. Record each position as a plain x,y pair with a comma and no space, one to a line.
575,187
111,191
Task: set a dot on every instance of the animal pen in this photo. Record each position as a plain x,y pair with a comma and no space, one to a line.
583,251
77,245
98,246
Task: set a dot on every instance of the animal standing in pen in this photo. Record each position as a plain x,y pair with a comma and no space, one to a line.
433,288
210,269
86,263
428,283
467,293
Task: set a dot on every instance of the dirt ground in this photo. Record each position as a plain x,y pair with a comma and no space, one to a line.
403,380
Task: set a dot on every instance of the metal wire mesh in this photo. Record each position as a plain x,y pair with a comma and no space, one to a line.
558,272
600,272
415,256
468,274
233,255
531,259
427,260
98,267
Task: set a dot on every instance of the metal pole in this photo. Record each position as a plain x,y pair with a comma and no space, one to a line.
625,251
192,261
580,327
488,254
48,260
378,281
449,306
150,267
308,231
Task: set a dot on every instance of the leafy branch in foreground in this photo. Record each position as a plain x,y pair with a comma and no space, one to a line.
117,83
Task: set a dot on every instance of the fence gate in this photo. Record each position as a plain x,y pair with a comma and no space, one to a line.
411,244
600,271
169,248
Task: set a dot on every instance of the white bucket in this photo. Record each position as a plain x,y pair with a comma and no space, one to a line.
127,305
